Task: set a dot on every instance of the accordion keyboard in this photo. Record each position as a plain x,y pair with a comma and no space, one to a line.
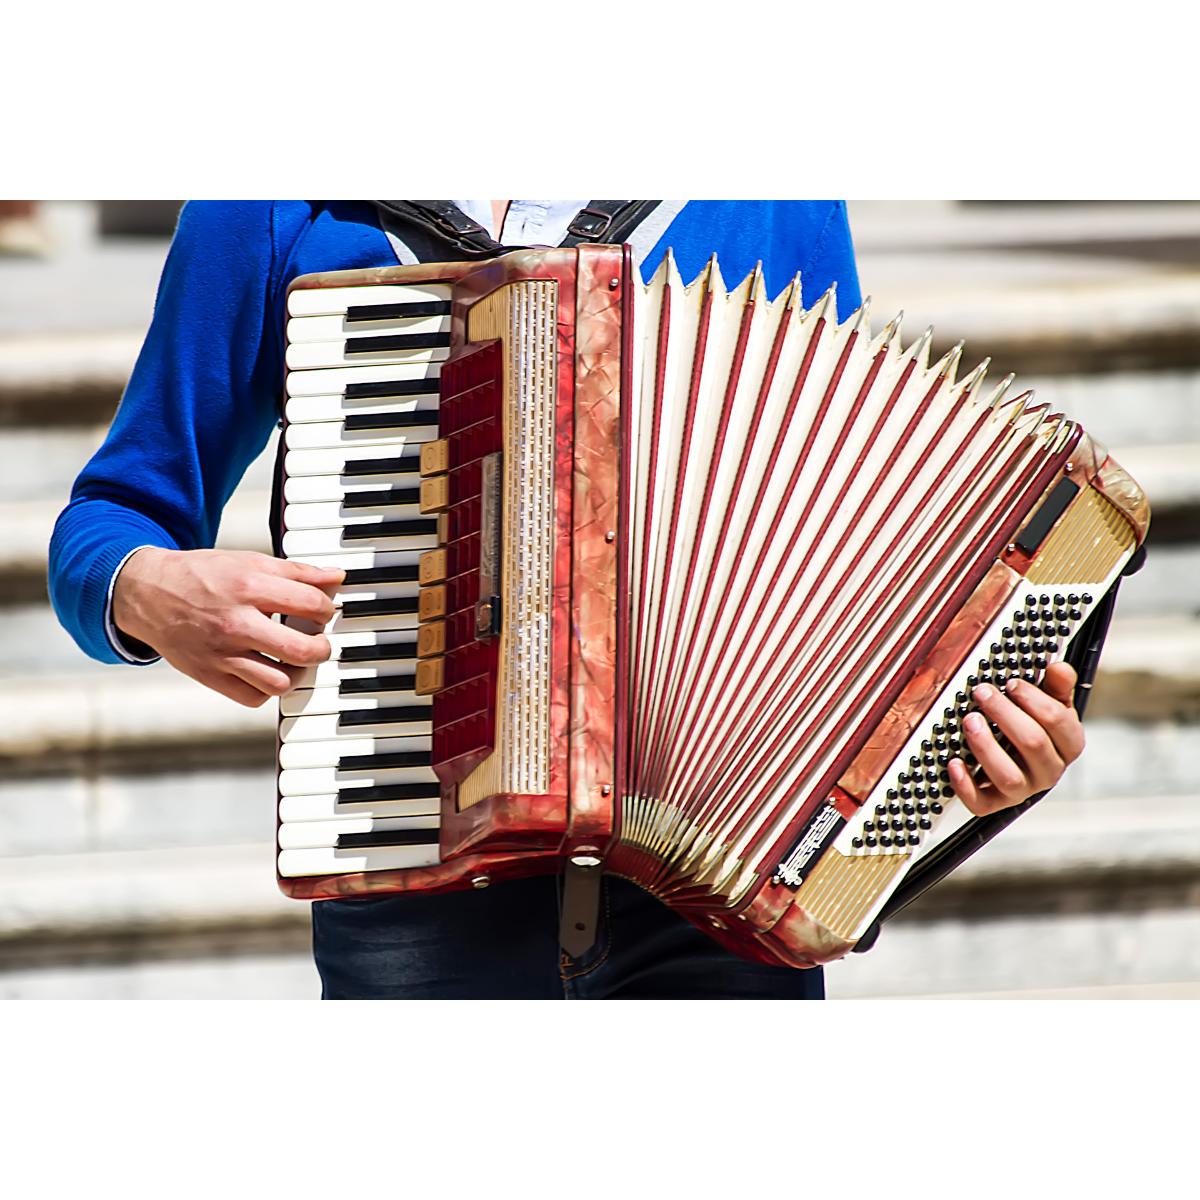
357,791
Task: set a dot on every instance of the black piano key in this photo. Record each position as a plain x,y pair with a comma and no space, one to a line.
397,420
392,837
385,762
385,650
397,341
391,387
390,791
380,683
404,573
384,466
382,497
387,607
397,312
406,714
382,529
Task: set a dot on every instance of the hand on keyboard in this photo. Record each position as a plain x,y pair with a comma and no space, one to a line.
208,613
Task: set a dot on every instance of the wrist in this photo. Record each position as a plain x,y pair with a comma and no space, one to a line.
129,611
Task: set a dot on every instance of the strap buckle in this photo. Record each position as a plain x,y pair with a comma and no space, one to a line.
590,223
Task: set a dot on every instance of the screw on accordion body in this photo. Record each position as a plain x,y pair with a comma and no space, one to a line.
678,578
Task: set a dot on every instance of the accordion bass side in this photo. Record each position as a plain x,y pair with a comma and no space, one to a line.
677,582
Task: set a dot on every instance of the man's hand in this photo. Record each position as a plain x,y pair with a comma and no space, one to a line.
208,613
1043,728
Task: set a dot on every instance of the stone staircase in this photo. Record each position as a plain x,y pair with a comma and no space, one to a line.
136,808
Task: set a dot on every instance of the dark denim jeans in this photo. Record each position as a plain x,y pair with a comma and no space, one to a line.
502,944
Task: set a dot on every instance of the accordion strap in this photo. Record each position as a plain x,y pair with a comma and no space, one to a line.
445,220
608,221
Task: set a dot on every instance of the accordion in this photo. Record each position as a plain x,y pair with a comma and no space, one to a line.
678,582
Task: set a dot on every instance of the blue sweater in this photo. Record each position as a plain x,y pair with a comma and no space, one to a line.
203,397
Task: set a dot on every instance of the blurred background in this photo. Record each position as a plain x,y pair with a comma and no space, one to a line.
136,808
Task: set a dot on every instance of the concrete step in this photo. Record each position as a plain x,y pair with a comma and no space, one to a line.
45,715
41,462
198,795
1087,228
28,524
210,975
26,527
83,905
1150,670
1136,951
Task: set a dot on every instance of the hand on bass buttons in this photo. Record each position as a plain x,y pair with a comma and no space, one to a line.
1044,732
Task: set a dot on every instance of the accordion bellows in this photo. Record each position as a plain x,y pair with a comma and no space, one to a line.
697,583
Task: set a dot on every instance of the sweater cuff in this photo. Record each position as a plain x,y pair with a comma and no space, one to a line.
130,651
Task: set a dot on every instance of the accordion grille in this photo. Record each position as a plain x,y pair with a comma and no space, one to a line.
1087,547
522,317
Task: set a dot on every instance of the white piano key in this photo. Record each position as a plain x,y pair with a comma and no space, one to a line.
332,327
303,410
309,356
333,460
334,381
406,720
301,702
306,835
293,863
329,806
323,435
324,489
361,559
343,751
319,781
375,591
332,672
336,515
302,302
300,543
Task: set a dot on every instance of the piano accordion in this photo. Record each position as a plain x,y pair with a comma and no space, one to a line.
677,582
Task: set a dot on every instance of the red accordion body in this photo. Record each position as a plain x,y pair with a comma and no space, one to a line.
695,587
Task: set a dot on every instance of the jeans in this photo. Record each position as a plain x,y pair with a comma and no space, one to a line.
501,943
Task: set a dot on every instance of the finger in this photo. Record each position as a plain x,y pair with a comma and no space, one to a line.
1059,682
1060,721
1002,772
286,644
305,573
235,689
965,787
1029,740
285,596
269,677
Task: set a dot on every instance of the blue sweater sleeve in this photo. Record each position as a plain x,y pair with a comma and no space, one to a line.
199,407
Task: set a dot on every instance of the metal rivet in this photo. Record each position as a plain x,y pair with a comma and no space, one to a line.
481,881
610,536
606,790
1070,467
613,284
1012,548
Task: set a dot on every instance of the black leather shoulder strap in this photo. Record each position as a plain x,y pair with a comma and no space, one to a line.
447,222
609,221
